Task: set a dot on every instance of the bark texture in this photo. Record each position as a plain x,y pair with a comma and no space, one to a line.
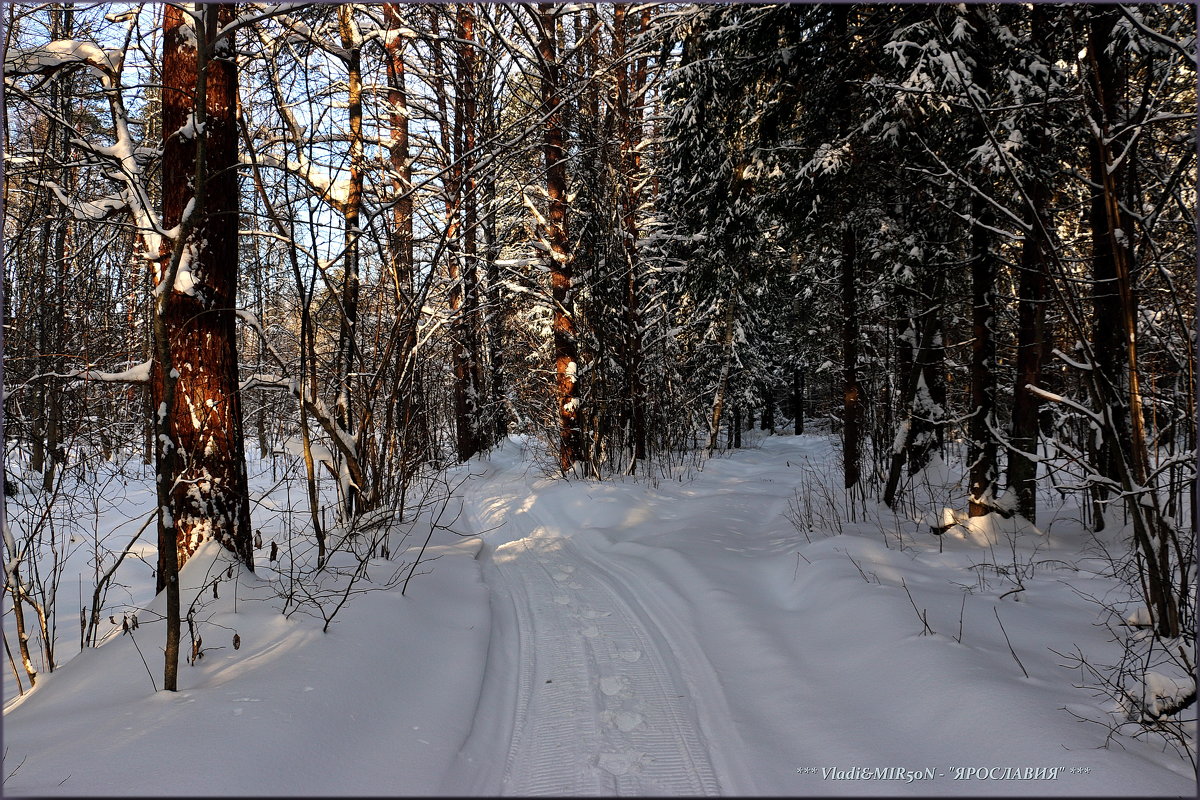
199,443
566,347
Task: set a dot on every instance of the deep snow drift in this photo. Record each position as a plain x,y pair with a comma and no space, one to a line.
732,632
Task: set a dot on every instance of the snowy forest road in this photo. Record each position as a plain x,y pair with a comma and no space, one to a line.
688,637
592,687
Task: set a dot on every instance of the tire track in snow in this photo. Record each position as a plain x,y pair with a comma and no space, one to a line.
648,707
710,714
602,705
551,724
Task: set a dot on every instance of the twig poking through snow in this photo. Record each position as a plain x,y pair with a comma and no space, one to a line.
1010,647
133,639
921,615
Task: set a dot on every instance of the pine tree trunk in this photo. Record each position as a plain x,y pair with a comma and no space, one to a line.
498,311
53,314
1031,322
404,401
492,321
451,133
201,430
566,350
194,379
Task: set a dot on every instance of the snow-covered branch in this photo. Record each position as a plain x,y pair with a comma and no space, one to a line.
139,373
58,54
1066,401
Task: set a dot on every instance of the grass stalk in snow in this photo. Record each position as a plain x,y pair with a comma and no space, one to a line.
1009,643
923,616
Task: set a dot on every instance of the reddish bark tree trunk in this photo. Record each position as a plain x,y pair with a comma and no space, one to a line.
199,445
1031,323
405,400
566,349
451,133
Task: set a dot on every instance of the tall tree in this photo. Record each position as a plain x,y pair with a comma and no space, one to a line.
981,453
199,455
47,416
1108,244
1032,289
981,450
348,332
1123,452
630,83
405,401
464,263
566,347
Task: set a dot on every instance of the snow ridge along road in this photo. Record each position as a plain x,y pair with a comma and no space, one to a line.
600,692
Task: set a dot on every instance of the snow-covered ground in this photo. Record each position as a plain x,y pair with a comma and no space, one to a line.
615,638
